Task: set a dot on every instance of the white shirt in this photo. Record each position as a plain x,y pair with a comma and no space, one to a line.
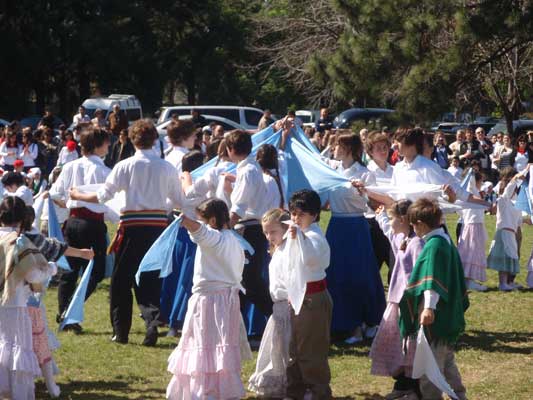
78,119
24,193
148,181
8,159
277,275
273,196
346,199
507,215
382,177
83,171
66,156
175,156
316,253
520,161
423,170
29,159
456,172
219,259
248,199
208,183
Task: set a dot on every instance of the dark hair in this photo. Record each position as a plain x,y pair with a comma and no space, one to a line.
267,158
29,217
12,211
426,211
307,201
399,208
478,176
143,134
428,139
92,138
354,144
192,160
214,208
13,178
179,131
211,150
411,137
240,142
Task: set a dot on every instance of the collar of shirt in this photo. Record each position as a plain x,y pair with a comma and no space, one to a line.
436,232
145,153
94,158
248,160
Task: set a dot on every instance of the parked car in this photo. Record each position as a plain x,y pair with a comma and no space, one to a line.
227,124
127,102
4,122
308,117
520,126
246,117
346,118
34,120
480,122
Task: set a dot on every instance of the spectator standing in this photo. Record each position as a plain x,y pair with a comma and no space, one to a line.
122,148
325,122
522,155
81,117
197,119
9,151
28,151
47,119
118,120
50,151
99,120
265,120
505,154
441,151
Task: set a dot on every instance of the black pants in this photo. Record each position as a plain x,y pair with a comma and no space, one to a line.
82,234
256,287
135,244
380,244
402,382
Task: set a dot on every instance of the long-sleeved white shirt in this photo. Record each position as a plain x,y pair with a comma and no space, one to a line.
277,275
248,199
148,181
24,193
507,215
175,156
382,177
83,171
28,158
423,170
315,253
346,199
219,259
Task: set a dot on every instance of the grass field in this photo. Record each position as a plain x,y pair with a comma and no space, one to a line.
495,355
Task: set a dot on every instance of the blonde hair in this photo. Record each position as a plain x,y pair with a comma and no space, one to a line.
276,215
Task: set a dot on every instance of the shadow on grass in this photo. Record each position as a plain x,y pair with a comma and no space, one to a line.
498,342
99,390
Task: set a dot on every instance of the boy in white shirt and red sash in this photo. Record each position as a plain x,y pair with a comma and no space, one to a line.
149,182
308,368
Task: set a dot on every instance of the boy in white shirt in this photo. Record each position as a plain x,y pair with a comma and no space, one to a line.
308,368
455,169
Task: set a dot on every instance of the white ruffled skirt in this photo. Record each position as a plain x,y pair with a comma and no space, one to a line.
18,363
207,362
270,376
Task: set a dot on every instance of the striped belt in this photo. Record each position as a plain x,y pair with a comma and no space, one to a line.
129,219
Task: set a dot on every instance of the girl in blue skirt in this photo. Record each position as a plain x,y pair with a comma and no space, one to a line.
353,276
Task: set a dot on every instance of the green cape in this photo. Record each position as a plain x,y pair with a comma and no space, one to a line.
437,268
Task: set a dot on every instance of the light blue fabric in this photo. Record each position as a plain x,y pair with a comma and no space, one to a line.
109,260
75,313
245,245
523,202
465,183
54,231
159,256
303,139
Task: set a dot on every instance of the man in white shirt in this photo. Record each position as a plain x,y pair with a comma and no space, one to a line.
152,188
85,228
247,208
81,117
13,183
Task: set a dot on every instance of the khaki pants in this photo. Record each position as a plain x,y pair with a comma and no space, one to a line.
445,358
308,366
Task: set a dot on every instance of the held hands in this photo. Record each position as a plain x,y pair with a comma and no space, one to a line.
87,254
380,209
427,316
74,193
359,185
292,231
448,191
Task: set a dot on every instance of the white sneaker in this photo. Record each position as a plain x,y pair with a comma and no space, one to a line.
172,332
371,332
505,287
473,285
353,340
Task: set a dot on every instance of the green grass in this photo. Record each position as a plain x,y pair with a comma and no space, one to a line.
494,356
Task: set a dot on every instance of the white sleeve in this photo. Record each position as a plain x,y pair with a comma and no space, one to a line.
111,186
243,191
384,224
431,298
206,237
314,250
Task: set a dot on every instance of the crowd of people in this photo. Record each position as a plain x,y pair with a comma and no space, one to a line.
248,251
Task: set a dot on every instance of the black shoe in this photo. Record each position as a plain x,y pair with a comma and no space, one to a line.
119,340
151,337
76,328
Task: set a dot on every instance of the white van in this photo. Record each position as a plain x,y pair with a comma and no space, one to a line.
127,102
247,117
308,117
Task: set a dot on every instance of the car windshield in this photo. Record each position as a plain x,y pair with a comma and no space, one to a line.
499,127
305,118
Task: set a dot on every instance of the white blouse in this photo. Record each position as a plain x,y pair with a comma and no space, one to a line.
507,215
29,158
277,275
219,259
175,156
346,199
249,196
4,153
65,156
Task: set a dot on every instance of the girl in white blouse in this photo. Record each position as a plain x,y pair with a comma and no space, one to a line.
270,378
208,357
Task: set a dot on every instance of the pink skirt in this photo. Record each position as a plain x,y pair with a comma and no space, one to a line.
207,361
386,353
40,336
471,247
